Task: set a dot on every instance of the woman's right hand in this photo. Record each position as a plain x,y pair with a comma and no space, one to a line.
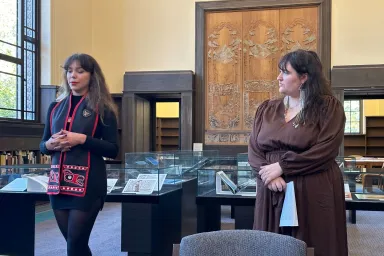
277,185
54,143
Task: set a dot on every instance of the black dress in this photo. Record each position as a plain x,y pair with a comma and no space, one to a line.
103,144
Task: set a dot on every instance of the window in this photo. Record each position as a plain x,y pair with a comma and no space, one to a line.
352,109
19,58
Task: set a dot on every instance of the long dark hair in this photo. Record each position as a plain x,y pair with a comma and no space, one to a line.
316,86
99,97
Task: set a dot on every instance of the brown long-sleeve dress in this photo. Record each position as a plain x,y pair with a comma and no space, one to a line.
307,157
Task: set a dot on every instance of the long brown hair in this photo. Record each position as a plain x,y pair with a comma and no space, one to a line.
99,98
316,86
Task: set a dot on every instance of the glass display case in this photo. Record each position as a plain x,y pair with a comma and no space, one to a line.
224,177
242,162
149,173
24,178
133,179
190,161
363,184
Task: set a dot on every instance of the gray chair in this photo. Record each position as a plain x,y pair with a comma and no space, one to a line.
240,243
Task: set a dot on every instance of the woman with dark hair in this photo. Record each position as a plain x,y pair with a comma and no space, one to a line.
81,129
297,138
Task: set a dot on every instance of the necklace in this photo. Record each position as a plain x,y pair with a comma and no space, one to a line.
287,107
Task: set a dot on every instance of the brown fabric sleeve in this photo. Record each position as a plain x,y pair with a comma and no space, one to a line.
256,157
321,155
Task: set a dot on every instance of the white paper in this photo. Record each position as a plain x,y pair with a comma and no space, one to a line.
288,216
154,177
17,185
37,183
221,178
197,146
140,186
111,185
348,194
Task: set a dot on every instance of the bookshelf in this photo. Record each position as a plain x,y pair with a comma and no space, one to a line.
167,133
370,144
374,135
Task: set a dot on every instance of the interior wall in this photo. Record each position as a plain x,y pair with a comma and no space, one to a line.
373,107
160,35
356,32
167,109
71,32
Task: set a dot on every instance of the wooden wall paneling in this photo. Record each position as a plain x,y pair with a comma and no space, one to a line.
299,29
261,53
139,138
186,118
14,143
128,126
361,77
147,135
223,84
306,21
142,140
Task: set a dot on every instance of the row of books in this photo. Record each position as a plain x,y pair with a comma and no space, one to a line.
23,157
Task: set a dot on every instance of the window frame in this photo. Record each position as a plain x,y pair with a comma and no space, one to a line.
20,61
361,121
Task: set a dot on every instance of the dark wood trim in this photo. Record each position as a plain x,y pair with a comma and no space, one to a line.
203,7
20,136
117,95
254,4
38,97
20,143
47,96
128,110
364,78
157,86
21,129
158,81
186,117
199,118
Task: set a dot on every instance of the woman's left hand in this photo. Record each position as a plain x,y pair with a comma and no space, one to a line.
270,172
73,139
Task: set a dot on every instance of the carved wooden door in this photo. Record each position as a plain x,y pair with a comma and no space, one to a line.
242,54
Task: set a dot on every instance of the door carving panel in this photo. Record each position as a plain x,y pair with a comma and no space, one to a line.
243,49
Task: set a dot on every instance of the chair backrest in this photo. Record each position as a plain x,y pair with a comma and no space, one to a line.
241,243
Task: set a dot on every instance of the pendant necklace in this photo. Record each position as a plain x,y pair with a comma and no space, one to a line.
287,107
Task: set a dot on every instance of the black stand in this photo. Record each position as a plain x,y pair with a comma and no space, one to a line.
244,216
208,217
352,216
17,214
189,208
150,229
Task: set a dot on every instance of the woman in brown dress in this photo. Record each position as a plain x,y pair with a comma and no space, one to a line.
297,139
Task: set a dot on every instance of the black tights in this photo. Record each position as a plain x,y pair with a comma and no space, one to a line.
76,227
